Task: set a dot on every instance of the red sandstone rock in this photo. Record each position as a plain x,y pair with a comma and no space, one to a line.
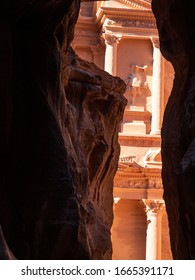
59,148
176,25
97,109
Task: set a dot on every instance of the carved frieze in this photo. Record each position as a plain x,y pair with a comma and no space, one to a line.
138,178
132,23
130,159
139,141
137,183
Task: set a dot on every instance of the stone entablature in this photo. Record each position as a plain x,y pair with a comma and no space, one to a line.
116,13
141,178
126,20
139,140
131,23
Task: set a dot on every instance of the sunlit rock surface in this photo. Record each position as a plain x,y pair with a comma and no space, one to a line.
176,25
59,119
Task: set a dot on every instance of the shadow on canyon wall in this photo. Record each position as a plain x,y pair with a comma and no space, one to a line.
176,25
59,120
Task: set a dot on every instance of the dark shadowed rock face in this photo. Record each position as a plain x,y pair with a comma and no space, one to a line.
59,119
5,253
176,25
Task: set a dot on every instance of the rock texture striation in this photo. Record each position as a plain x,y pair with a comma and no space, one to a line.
176,25
59,119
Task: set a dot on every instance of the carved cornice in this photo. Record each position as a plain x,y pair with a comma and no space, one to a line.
123,14
139,141
116,13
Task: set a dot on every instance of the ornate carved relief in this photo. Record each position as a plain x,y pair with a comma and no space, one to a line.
133,177
137,182
137,85
111,39
132,23
130,159
154,206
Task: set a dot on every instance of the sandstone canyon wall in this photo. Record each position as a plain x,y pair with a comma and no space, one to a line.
59,120
176,25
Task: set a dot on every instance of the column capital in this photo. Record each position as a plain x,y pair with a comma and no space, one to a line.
111,39
155,42
153,206
154,209
111,42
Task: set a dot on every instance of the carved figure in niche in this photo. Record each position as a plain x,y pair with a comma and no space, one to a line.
137,85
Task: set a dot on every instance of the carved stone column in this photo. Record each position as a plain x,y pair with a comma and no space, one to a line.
157,88
154,210
111,53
